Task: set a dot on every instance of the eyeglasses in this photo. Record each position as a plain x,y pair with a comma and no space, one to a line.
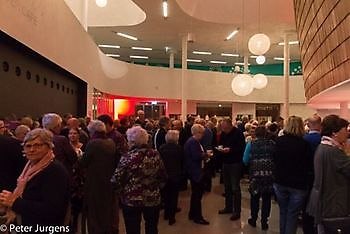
34,146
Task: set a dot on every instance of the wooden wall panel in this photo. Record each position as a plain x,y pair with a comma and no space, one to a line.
324,35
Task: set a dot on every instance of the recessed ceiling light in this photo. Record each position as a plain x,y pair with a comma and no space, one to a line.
138,57
241,64
290,43
165,8
194,60
231,35
202,52
229,55
109,46
127,36
140,48
113,55
101,3
218,62
220,105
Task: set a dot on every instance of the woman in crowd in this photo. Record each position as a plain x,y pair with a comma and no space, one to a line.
100,161
139,177
78,178
42,193
172,156
194,156
330,196
293,162
258,155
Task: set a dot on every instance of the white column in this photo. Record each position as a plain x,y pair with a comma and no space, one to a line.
171,59
183,79
344,110
246,58
286,78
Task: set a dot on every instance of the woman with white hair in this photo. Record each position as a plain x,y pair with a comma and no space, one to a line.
139,177
100,160
172,156
42,193
194,156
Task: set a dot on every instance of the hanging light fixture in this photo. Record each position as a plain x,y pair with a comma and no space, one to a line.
259,43
260,59
242,85
259,81
101,3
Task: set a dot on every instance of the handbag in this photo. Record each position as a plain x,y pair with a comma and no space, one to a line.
340,225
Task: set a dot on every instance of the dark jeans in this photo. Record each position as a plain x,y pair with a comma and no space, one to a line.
291,203
232,177
171,196
196,201
132,219
265,208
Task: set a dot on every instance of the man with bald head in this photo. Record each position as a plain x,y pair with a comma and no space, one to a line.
313,137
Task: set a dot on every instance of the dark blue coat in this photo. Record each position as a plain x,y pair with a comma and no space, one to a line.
193,159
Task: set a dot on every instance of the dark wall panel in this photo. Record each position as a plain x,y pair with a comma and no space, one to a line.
32,85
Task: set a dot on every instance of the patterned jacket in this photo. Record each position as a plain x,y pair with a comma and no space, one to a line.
139,177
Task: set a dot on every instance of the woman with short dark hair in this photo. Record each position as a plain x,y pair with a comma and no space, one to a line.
330,196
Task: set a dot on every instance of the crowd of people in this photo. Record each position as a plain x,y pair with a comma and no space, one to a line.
80,172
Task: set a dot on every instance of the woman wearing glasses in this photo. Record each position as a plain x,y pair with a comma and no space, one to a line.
42,192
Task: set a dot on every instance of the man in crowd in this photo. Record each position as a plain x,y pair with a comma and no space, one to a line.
159,136
63,151
140,120
231,145
313,137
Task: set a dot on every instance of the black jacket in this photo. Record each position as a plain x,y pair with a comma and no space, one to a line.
159,138
293,162
12,162
172,156
45,197
236,142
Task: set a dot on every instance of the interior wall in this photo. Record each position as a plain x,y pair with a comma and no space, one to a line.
34,86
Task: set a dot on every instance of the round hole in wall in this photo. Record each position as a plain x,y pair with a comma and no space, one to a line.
52,84
37,77
5,66
58,86
45,81
28,75
18,71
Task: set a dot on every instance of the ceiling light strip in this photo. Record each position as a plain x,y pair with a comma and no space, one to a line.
241,64
138,57
109,46
165,8
229,55
217,62
113,55
229,37
194,60
202,52
141,48
127,36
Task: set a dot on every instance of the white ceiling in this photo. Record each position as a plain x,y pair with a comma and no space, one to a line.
210,22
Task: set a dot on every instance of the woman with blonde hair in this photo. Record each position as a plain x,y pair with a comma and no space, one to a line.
293,163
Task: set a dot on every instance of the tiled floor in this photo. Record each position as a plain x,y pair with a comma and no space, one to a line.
219,224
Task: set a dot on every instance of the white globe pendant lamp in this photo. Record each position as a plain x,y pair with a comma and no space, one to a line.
259,81
260,59
242,85
259,44
101,3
